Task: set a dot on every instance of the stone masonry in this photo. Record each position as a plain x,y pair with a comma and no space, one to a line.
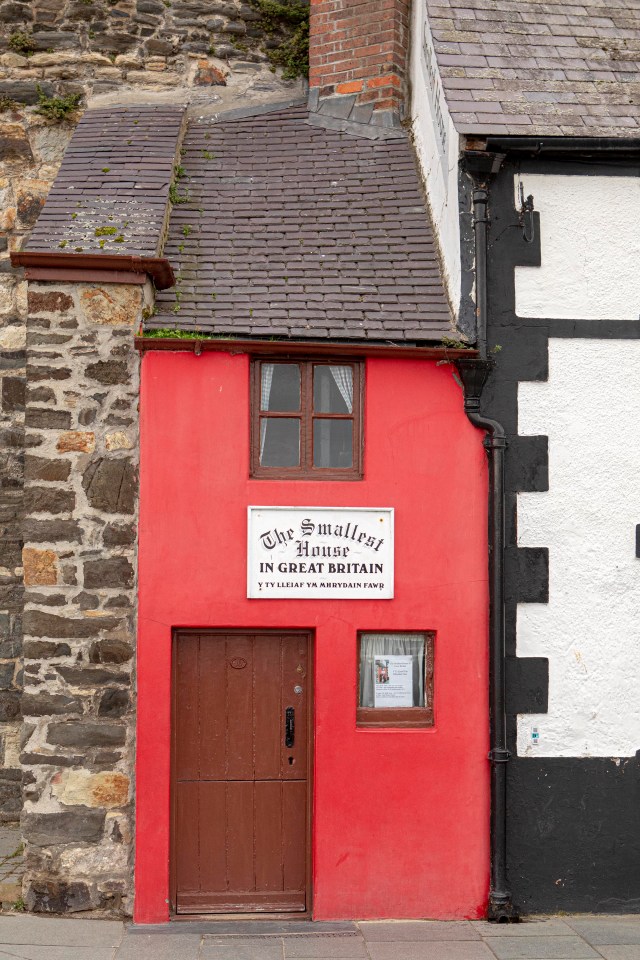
212,54
81,464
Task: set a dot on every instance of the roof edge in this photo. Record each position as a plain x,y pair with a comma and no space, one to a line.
300,347
95,266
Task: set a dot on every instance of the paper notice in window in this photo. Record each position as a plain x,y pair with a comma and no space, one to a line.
393,681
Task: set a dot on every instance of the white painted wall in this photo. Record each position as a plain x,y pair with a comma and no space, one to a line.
590,233
590,629
437,145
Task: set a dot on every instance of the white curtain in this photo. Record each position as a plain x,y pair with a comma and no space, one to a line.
266,379
343,377
374,645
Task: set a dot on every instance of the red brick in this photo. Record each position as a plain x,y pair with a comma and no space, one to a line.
354,86
391,80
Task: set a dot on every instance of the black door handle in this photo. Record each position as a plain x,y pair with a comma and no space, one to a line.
289,726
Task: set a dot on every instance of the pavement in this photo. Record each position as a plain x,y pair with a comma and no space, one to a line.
584,937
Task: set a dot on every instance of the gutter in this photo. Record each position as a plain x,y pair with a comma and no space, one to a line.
617,147
474,373
296,348
98,267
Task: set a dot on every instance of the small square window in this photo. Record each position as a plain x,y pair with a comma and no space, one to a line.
395,679
306,420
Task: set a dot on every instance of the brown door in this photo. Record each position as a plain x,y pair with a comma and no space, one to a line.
240,772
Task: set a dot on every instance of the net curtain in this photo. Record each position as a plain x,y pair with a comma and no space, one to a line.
374,645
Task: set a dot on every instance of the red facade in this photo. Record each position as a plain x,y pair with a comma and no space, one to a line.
400,821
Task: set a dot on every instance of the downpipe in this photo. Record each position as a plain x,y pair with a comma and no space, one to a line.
473,374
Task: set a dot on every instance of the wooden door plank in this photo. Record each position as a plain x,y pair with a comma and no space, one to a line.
212,705
268,716
239,743
212,832
254,902
294,840
240,870
268,835
187,750
187,847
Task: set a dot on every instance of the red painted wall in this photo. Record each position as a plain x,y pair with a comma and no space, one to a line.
400,816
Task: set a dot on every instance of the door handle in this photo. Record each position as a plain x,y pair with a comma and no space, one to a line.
289,727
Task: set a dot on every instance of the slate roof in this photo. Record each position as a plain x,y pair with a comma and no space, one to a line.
114,182
293,230
553,68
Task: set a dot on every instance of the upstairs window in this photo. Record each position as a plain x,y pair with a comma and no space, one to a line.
306,420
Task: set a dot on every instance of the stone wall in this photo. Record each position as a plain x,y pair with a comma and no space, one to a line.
98,46
107,51
81,438
30,151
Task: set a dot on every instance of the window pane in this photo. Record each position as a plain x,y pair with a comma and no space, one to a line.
279,387
392,670
333,443
333,389
279,442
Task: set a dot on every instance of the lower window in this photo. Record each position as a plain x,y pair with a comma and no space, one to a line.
395,679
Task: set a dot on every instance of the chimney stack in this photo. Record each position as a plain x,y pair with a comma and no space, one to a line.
358,58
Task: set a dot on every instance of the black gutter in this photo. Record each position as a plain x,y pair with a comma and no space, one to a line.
585,146
473,373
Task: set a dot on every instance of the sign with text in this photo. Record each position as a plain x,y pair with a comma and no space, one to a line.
393,685
320,552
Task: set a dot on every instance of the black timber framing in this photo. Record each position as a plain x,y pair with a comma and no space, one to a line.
573,823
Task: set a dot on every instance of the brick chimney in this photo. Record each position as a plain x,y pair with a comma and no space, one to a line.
357,59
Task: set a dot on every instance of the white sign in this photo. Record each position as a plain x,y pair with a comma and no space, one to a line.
393,681
320,552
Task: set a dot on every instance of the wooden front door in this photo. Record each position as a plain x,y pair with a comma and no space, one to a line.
241,749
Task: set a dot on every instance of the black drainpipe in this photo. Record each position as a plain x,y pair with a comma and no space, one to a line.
473,373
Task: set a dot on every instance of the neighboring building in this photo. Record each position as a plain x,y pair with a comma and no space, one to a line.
251,469
541,101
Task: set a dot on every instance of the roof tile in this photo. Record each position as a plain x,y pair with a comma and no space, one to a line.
111,192
297,231
559,51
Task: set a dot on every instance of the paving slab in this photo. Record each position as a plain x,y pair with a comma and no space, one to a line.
540,948
531,927
345,947
160,946
620,951
385,930
256,948
49,931
607,930
429,950
25,952
245,928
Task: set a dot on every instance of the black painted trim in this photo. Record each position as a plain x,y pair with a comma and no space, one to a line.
527,685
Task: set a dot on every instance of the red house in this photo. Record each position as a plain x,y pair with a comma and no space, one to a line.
312,654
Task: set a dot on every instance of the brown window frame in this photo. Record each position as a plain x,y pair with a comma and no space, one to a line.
404,717
306,470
